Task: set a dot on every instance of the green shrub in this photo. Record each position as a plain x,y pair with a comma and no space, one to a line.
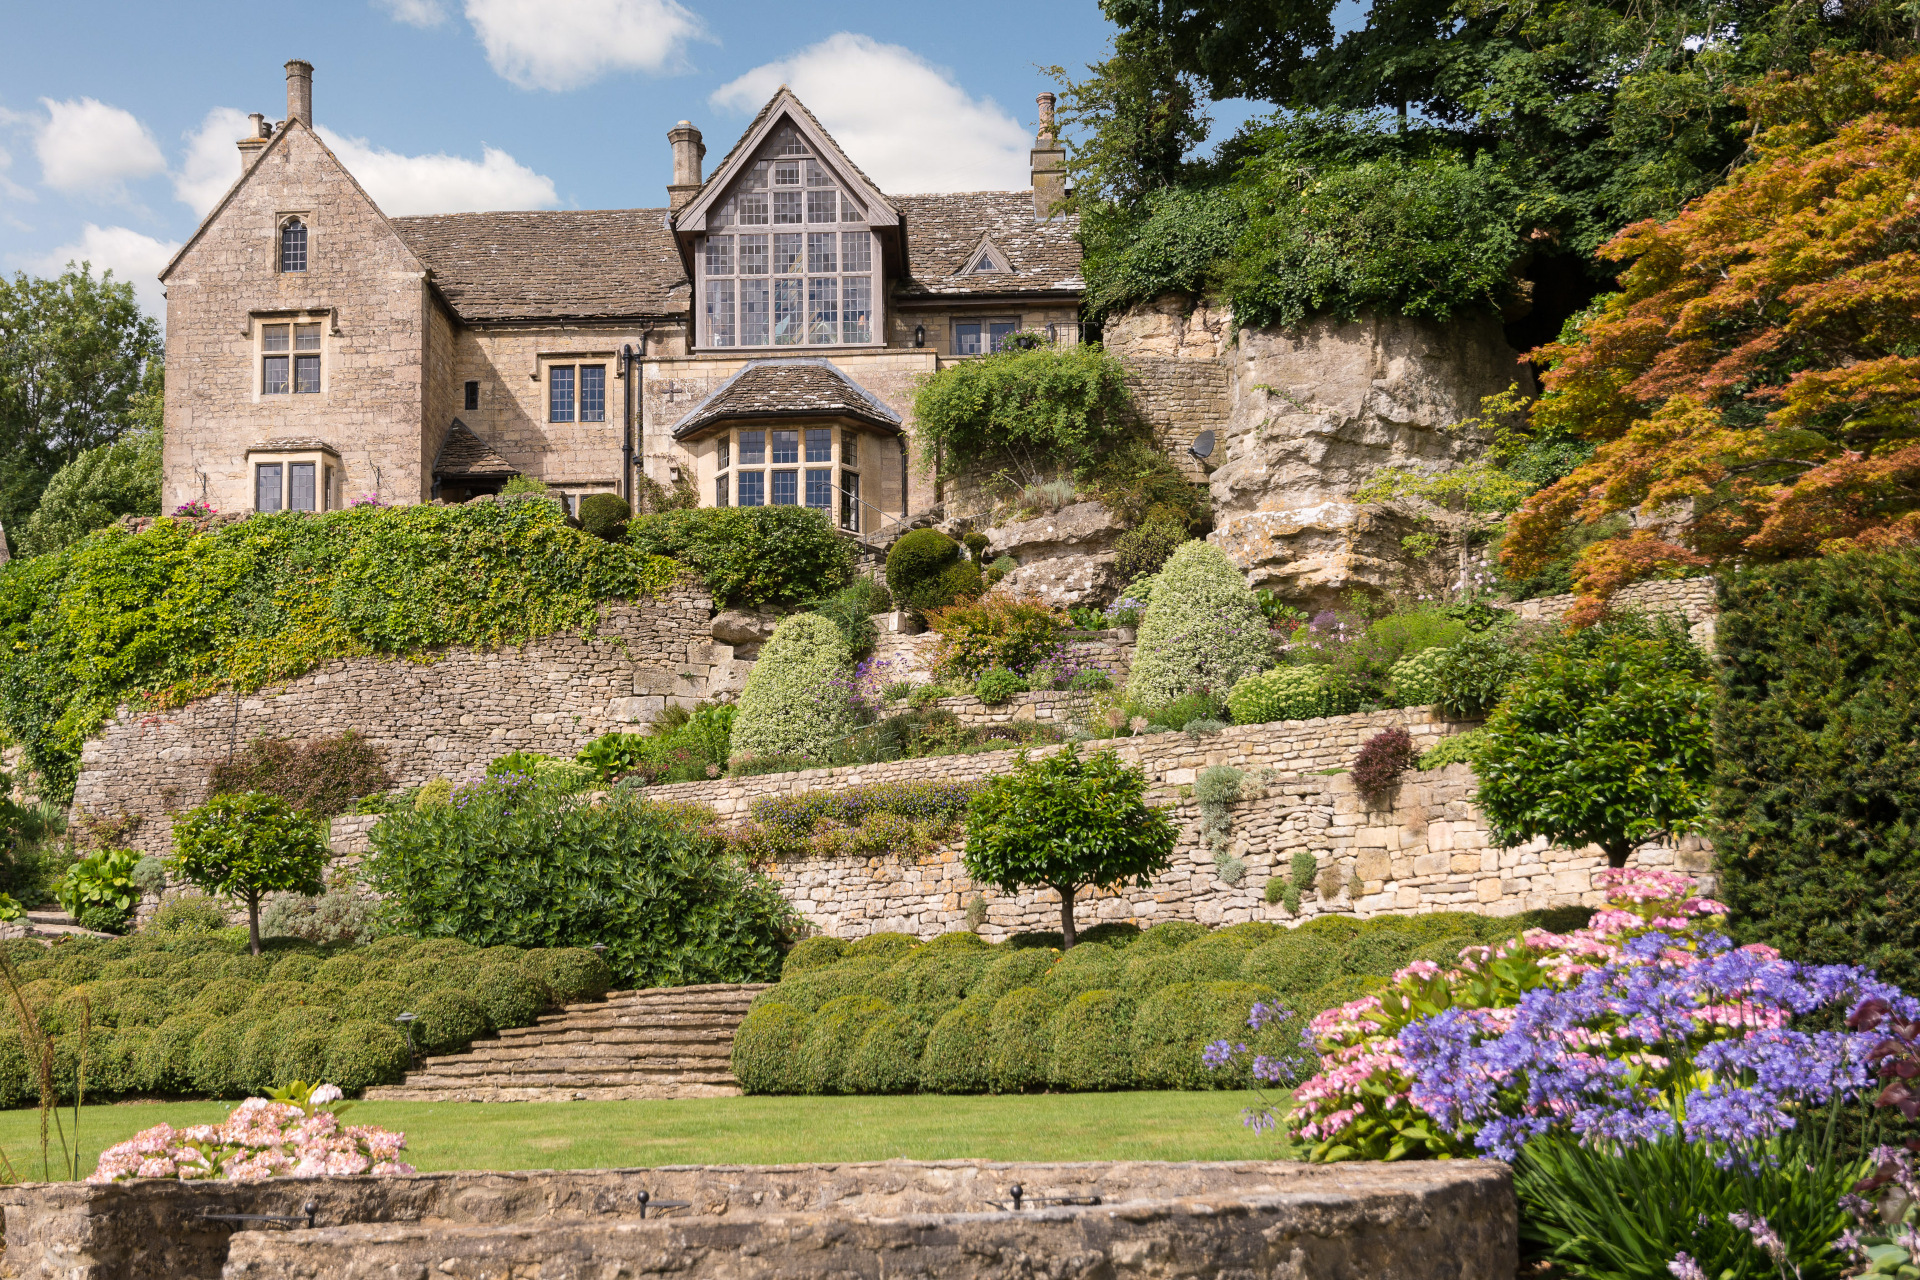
766,1049
795,698
1294,963
959,1053
1175,1025
224,996
345,970
1018,417
17,1083
1087,967
449,1020
1444,951
1020,1029
605,515
1472,675
1336,992
916,561
1009,970
141,1004
1414,681
509,995
1015,635
751,557
1457,748
887,1059
1091,1042
808,990
98,891
1171,935
1817,762
958,582
364,1053
114,1067
526,866
883,946
832,1035
1203,629
302,1055
573,974
1144,551
214,1065
812,953
997,685
1379,952
376,1000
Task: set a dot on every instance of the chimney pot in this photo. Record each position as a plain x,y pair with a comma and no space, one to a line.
258,131
1046,115
688,152
300,91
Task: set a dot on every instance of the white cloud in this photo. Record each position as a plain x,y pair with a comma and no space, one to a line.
87,146
130,255
8,187
441,183
415,13
900,118
538,44
212,161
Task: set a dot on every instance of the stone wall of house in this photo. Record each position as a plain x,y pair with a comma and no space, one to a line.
446,718
1424,848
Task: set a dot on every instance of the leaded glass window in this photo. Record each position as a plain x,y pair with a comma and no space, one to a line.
560,393
819,488
293,245
266,487
786,447
300,491
786,488
787,287
819,444
593,393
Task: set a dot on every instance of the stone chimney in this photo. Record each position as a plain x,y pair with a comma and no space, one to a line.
258,132
1048,160
300,92
688,152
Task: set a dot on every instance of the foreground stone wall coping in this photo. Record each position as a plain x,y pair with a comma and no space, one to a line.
1415,1220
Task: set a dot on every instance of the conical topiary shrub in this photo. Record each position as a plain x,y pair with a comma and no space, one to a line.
797,698
1203,629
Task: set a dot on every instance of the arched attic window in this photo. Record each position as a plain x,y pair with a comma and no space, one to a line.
293,245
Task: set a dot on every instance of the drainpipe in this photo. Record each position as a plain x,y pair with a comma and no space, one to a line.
626,416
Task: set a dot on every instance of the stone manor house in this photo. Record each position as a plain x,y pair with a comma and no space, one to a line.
759,337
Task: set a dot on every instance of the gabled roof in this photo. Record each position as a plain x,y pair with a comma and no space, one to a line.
278,141
551,264
788,387
881,211
466,454
945,232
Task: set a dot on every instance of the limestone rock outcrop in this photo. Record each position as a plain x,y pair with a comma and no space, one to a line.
1063,580
1315,411
1065,558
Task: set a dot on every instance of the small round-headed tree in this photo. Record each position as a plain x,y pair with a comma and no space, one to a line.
1066,823
797,698
1607,741
1203,629
247,846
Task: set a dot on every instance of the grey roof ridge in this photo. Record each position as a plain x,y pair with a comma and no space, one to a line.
874,402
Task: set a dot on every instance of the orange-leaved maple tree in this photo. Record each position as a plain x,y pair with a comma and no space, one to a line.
1755,383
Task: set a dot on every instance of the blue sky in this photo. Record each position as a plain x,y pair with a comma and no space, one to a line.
117,122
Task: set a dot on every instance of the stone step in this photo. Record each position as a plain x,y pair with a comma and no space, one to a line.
565,1079
613,1036
621,1029
576,1093
465,1063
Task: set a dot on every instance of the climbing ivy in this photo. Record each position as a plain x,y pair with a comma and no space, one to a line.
179,610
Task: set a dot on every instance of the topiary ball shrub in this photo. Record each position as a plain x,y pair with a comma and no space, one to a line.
189,913
766,1049
605,515
1414,681
1175,1025
887,1059
364,1053
376,1001
302,1055
914,566
998,685
796,699
224,997
213,1064
510,996
1020,1034
1009,971
958,1057
448,1020
832,1035
165,1064
573,974
1203,629
1087,967
813,953
886,946
1382,759
1092,1043
809,990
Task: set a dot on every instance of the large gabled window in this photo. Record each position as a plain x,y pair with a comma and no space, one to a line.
788,259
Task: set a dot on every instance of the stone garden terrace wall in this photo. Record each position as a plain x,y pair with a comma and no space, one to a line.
1425,849
445,718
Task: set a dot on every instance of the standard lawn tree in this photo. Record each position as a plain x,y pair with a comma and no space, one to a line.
1607,742
247,846
1066,823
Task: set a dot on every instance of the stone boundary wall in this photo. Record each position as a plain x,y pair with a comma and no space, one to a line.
1180,398
1692,598
1416,1220
447,718
1425,849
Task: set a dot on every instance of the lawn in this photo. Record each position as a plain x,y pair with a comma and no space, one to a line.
759,1130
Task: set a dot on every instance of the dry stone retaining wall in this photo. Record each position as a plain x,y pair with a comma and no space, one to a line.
446,718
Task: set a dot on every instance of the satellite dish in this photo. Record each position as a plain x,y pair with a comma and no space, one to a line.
1202,446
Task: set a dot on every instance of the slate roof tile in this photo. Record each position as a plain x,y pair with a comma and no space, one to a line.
944,230
788,386
551,264
466,454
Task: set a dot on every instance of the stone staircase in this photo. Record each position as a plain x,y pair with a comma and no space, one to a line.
46,924
663,1042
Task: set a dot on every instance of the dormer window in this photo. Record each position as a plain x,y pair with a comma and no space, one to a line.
293,245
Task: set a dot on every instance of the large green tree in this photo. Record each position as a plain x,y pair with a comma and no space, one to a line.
74,350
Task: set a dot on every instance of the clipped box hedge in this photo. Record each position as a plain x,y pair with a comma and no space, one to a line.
1125,1009
193,1014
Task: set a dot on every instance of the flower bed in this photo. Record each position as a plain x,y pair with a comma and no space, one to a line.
288,1135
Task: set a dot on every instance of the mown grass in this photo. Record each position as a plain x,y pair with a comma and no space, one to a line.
756,1130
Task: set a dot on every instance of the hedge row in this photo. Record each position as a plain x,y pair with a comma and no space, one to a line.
1122,1010
186,1014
